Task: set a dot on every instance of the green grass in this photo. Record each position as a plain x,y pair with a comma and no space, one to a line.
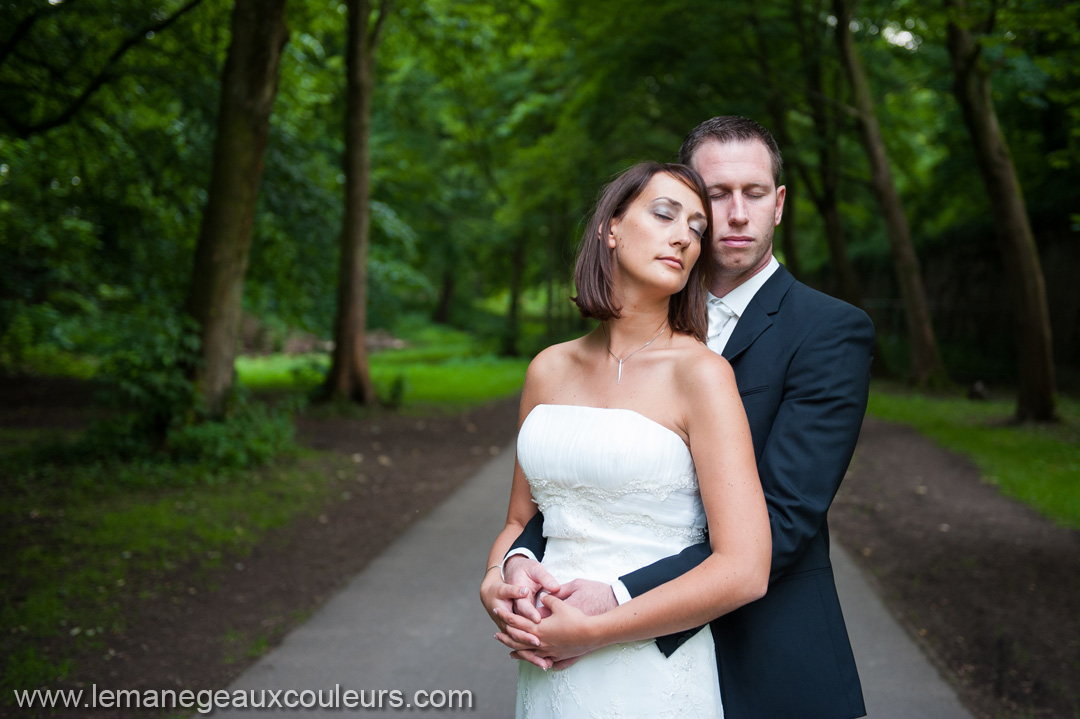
1037,464
273,372
80,546
428,377
239,647
439,366
85,535
48,361
458,382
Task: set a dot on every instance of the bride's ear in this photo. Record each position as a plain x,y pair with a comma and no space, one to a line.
612,229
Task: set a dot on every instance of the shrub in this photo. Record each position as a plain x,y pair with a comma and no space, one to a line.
251,435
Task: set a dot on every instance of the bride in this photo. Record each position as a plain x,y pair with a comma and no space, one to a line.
634,444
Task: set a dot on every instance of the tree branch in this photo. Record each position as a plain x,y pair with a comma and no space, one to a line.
25,129
808,183
24,27
373,39
991,19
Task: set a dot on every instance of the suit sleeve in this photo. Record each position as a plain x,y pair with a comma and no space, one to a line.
815,431
807,452
532,537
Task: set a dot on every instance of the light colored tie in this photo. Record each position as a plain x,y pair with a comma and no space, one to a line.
719,317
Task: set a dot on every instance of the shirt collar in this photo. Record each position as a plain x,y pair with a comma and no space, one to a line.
739,298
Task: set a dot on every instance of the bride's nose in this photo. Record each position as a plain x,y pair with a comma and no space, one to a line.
681,236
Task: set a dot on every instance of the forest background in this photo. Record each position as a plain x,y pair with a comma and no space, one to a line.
491,128
194,190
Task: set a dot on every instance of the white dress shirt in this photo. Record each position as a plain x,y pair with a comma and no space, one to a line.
724,312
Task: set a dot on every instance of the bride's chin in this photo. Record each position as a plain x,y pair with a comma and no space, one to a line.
673,289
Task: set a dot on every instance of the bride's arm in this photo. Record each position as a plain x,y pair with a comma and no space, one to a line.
494,592
735,572
497,596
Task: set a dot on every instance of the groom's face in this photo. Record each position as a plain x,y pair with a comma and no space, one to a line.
746,204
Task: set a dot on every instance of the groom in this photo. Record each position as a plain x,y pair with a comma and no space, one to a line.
802,363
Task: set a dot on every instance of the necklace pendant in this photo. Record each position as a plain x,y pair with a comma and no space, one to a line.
618,379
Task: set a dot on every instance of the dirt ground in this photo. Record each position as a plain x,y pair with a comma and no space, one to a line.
190,636
990,589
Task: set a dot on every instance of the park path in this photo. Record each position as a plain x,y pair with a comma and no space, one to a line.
412,621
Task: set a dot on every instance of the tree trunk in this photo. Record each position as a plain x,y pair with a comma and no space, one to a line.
776,105
248,88
446,296
788,232
1020,254
550,273
847,287
349,377
926,365
513,315
827,197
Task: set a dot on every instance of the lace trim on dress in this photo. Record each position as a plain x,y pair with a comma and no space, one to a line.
644,485
591,503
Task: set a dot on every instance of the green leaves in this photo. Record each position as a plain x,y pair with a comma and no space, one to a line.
494,125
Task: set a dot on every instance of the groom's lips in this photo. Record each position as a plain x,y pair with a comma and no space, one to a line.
737,241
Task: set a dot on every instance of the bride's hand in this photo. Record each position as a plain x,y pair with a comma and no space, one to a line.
567,633
526,656
591,597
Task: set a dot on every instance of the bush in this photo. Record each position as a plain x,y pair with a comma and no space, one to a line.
251,435
159,415
146,373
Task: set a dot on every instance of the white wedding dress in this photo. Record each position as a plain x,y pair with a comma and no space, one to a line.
618,492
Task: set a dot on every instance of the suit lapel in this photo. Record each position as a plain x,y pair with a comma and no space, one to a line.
758,315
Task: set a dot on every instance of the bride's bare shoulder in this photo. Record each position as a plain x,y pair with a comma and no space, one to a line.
700,367
557,361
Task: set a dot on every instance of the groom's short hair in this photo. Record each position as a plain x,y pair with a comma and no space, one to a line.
731,128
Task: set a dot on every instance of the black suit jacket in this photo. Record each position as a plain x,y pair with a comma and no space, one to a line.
802,363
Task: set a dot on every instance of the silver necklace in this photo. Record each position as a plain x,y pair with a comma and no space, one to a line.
618,380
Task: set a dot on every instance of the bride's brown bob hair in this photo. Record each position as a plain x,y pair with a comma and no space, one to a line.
688,309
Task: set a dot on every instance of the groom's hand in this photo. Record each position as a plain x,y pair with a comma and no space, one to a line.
588,596
522,571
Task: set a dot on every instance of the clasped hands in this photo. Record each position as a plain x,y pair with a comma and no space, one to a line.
555,631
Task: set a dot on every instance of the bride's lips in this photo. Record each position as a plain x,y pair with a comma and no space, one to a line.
672,261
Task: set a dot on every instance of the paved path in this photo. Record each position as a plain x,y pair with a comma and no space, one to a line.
412,621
